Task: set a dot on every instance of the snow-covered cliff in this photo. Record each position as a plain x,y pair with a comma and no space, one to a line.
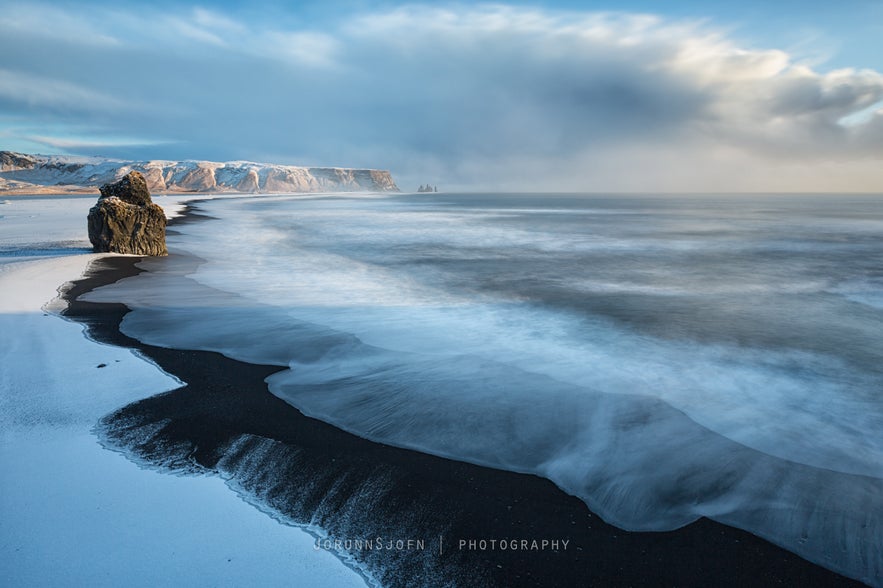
60,173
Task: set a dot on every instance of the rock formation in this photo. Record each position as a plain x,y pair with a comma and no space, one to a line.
125,220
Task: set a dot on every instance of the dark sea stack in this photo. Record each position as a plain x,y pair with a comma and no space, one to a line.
132,188
125,220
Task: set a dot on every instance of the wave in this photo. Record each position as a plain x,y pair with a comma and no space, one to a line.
384,335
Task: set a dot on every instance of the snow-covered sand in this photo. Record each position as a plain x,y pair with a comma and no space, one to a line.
75,514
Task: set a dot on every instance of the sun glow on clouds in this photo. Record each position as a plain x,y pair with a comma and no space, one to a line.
488,96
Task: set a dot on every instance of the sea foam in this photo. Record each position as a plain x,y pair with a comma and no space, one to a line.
717,372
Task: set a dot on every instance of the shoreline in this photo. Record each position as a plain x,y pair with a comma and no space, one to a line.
99,518
314,475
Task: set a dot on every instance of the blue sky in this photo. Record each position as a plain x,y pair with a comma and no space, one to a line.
845,33
692,95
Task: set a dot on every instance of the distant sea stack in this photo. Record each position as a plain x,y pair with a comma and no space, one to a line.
125,220
60,174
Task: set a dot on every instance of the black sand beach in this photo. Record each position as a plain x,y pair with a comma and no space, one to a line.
225,421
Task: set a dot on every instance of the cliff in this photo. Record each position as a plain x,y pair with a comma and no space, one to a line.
44,174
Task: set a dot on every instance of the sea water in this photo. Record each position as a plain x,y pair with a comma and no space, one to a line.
661,357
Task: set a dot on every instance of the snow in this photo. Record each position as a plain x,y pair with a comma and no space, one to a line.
64,174
75,514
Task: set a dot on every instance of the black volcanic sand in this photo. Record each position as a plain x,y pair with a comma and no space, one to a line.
225,421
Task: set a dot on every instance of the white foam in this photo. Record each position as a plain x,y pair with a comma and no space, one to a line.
865,291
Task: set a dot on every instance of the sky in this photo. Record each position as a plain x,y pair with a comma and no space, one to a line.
635,96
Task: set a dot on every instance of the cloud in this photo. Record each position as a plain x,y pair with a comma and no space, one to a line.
487,96
217,22
29,21
300,48
46,94
91,143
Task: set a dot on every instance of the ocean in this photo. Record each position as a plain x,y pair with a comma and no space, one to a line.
660,357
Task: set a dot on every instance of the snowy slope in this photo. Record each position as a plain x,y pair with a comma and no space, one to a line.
61,174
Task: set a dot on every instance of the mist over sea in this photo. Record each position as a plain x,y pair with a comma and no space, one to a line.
661,357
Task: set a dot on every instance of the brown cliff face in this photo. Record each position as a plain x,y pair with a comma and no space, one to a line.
155,180
11,161
125,220
199,179
250,183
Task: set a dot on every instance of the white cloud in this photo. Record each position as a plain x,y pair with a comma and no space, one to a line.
38,92
300,48
217,22
191,30
42,20
66,143
200,25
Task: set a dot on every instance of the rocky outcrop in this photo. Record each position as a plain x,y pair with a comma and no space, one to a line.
125,220
132,189
12,161
61,174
